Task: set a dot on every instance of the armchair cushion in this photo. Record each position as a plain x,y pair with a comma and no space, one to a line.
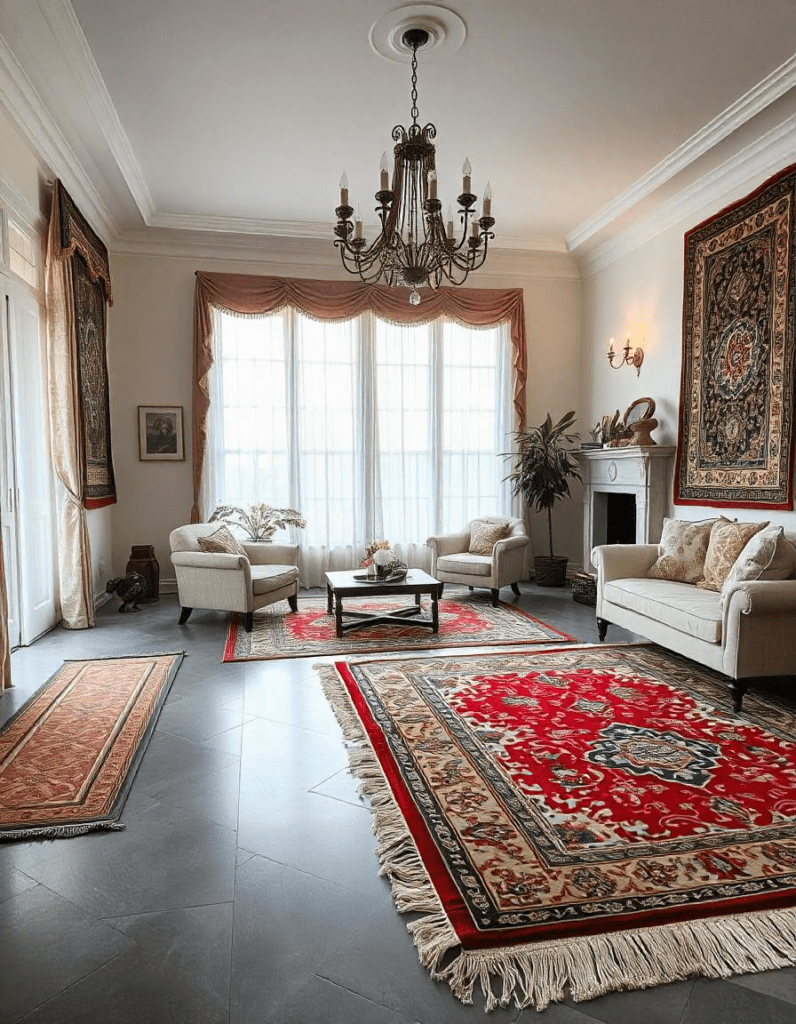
266,578
484,536
467,563
221,542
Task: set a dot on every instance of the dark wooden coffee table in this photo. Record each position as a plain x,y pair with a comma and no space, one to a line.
416,582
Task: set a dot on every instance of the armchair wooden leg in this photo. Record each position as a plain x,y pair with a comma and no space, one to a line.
738,688
439,592
602,628
516,588
293,602
185,614
495,596
248,621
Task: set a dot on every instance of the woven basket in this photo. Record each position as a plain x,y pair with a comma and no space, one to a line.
550,572
584,588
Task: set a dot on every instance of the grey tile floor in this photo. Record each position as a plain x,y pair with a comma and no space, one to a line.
245,886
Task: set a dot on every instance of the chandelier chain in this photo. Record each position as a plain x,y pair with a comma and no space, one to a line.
414,111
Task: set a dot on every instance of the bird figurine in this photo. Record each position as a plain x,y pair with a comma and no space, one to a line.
129,589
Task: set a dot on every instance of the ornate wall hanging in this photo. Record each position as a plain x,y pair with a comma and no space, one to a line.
91,290
735,444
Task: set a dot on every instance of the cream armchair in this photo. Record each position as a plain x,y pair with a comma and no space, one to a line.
453,562
267,573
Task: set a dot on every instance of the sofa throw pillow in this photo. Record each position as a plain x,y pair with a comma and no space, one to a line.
484,536
682,550
727,541
221,542
766,556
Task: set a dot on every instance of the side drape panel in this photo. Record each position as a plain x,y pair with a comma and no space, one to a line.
87,482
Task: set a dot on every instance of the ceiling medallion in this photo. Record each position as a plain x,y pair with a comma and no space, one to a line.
415,247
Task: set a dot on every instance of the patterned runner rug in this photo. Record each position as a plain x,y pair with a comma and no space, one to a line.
468,621
590,819
68,757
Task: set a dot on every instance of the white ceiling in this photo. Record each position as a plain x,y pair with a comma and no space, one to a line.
240,115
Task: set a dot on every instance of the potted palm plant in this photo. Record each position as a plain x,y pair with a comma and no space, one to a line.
543,466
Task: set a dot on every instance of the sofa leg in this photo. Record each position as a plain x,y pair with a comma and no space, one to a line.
248,621
293,602
738,688
602,628
516,588
185,614
495,596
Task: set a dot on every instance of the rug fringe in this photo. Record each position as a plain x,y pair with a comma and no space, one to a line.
537,974
62,831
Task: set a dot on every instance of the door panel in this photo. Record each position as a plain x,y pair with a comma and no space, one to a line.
35,542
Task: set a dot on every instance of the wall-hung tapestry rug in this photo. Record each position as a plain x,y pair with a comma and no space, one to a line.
68,757
735,447
468,621
587,819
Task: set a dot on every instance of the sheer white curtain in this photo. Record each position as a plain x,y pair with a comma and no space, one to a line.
371,429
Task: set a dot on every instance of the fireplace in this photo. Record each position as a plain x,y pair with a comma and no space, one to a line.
626,494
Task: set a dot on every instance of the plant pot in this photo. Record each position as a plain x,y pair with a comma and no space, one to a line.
550,572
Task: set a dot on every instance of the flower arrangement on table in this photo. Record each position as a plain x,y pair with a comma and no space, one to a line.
259,521
382,558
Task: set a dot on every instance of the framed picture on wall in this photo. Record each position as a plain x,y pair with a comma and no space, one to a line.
160,433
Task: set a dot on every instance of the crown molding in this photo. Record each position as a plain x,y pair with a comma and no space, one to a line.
751,165
43,135
63,22
771,88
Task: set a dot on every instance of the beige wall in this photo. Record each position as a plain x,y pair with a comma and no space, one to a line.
151,359
643,293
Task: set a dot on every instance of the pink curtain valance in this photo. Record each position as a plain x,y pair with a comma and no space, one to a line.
253,295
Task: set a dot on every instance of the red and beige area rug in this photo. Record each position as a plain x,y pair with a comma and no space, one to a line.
581,820
468,621
68,757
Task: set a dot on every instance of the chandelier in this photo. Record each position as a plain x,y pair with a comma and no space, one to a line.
415,246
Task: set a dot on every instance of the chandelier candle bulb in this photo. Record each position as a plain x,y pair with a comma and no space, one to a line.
466,172
385,173
432,184
611,347
358,224
487,210
344,190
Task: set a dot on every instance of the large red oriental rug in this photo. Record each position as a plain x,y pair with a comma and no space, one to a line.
68,757
468,621
588,819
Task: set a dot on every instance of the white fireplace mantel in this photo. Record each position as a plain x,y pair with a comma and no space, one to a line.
642,471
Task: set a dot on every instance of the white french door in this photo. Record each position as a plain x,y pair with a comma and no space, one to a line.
26,508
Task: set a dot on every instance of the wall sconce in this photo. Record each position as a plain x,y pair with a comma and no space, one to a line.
626,356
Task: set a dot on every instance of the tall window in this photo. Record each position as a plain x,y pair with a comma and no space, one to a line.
371,429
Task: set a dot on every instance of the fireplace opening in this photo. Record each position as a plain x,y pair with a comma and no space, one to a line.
621,519
614,518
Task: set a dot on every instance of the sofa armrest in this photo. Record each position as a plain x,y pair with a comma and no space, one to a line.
209,560
271,554
623,561
761,597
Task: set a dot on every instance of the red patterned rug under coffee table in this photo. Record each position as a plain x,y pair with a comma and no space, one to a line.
576,820
466,620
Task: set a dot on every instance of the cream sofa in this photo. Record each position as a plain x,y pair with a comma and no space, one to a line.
752,635
233,583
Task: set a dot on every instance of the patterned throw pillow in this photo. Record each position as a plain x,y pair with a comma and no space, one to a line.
767,556
221,542
682,550
484,536
727,541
